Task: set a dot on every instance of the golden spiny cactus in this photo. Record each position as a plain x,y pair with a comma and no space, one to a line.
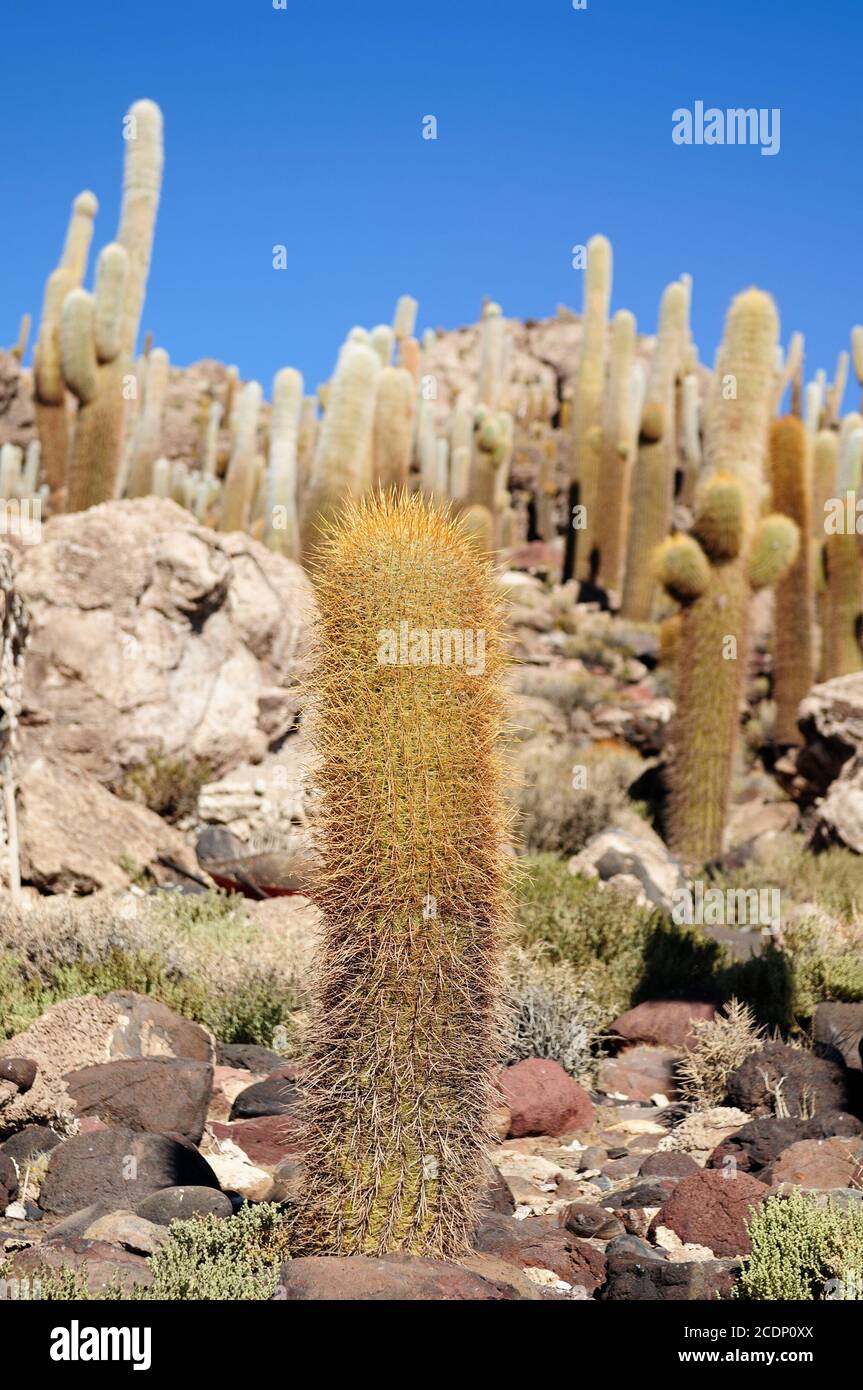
714,627
793,629
407,716
587,403
652,490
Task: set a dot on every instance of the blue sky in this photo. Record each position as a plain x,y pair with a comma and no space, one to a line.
303,126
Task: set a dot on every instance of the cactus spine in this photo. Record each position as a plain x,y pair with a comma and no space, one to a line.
793,655
404,1031
587,404
281,516
653,482
714,631
617,456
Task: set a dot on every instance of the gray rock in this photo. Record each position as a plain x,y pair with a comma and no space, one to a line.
619,853
119,1167
182,1203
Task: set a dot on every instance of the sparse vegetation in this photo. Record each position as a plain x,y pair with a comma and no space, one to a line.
804,1249
170,786
719,1046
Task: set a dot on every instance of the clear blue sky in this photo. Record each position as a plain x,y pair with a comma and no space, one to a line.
304,127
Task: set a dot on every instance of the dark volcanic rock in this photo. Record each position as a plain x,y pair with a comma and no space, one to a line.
807,1083
637,1272
274,1096
21,1071
119,1167
160,1095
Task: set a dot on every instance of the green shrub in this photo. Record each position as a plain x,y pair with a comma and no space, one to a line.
206,1259
803,1250
554,815
167,785
622,952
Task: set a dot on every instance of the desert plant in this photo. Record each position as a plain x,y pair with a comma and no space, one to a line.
793,629
567,794
843,597
554,1012
393,426
740,555
241,477
587,405
405,1028
168,785
652,488
282,525
147,439
617,457
804,1250
717,1048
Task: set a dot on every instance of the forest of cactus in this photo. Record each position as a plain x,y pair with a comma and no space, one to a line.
553,599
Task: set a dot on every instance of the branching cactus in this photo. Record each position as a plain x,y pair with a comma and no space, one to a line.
843,597
281,513
793,629
344,441
587,404
90,344
617,456
713,573
147,439
52,421
652,491
404,1034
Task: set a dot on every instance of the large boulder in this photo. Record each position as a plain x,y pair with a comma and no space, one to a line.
149,631
806,1084
639,1273
543,1099
712,1209
664,1021
828,769
760,1143
840,1026
77,837
88,1031
540,1243
160,1095
819,1164
118,1168
638,1073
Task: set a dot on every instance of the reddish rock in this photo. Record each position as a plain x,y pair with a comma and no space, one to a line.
160,1095
819,1164
543,1099
8,1182
101,1264
265,1141
639,1073
390,1278
758,1144
667,1022
540,1243
710,1208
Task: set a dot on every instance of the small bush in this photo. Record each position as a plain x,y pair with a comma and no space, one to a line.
569,690
170,786
557,816
555,1014
206,1259
719,1047
802,1250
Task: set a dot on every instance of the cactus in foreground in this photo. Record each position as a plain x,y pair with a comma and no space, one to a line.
404,1031
281,514
793,629
652,490
741,554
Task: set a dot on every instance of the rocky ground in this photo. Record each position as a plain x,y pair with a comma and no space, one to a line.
149,1056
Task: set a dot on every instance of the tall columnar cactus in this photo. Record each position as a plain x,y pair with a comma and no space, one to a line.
306,442
404,1030
793,629
617,457
857,353
52,421
713,573
491,356
100,436
652,491
587,406
339,464
843,597
90,345
147,439
281,514
241,477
